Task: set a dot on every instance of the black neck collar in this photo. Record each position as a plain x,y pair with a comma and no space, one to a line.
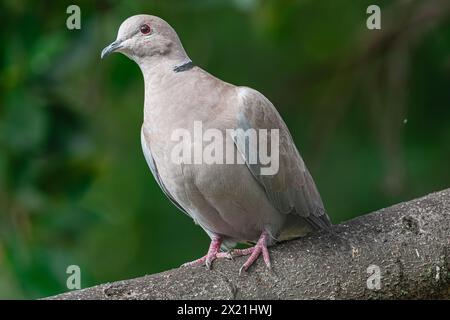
184,67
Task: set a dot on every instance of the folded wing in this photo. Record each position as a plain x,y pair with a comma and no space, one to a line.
291,190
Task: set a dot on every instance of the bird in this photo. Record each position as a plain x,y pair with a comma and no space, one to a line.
233,203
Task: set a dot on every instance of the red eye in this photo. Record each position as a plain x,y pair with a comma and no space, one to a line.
145,29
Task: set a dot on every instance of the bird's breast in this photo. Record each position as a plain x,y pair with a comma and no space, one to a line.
222,197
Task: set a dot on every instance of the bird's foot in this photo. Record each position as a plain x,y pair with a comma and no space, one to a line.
254,252
213,254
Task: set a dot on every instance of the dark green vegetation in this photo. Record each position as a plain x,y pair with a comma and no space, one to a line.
369,111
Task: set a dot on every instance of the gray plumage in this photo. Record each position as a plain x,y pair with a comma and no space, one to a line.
231,201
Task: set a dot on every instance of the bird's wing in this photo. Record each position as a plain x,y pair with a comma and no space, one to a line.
152,165
291,190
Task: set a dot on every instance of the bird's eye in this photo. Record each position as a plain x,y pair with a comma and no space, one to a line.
145,29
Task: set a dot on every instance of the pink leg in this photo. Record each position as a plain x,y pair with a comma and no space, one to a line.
254,252
212,254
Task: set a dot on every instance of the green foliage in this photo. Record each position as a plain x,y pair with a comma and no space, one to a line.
369,111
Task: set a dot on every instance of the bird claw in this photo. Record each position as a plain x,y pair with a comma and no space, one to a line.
213,254
242,270
255,252
208,259
208,262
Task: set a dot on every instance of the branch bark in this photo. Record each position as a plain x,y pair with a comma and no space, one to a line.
409,242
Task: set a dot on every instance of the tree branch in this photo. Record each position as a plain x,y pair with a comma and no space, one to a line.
409,242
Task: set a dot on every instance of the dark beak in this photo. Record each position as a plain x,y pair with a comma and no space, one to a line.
111,48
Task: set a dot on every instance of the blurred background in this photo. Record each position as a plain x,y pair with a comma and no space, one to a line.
368,109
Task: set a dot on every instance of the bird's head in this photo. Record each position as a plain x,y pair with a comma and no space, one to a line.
146,38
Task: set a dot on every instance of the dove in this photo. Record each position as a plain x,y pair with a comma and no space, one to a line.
234,202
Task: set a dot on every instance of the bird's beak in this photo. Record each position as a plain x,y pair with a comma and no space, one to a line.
111,48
